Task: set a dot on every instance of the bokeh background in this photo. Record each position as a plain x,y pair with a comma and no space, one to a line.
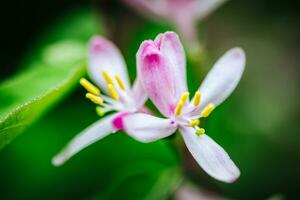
258,125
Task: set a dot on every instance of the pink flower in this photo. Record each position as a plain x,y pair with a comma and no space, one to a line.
162,71
105,59
183,14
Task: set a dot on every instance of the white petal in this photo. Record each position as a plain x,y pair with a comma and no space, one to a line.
223,77
139,94
210,156
188,191
93,133
104,55
148,128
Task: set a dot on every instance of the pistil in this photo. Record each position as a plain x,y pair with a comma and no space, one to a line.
200,131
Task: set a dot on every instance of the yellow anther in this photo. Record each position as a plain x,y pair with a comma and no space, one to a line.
181,103
207,110
200,131
113,93
95,99
89,86
184,97
107,77
179,107
194,122
120,82
197,98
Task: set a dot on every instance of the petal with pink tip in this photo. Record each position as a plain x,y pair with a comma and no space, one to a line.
104,55
171,47
148,128
222,78
210,156
155,72
93,133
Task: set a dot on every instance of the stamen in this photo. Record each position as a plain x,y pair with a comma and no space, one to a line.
89,86
113,93
179,108
120,82
197,98
194,122
207,110
184,97
95,99
181,103
107,77
200,131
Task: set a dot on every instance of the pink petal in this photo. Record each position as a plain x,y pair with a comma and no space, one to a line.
104,55
148,128
93,133
171,47
210,156
157,77
187,29
183,14
202,8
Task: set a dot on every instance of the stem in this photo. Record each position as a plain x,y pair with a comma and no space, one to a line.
176,143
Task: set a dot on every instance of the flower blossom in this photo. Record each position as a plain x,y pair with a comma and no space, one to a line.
183,14
108,70
162,70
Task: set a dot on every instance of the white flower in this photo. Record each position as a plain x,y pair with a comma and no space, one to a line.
108,70
162,71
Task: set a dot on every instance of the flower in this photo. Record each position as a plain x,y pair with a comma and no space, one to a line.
182,13
187,191
105,58
162,70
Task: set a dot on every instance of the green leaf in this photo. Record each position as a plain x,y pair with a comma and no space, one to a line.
143,180
49,73
114,164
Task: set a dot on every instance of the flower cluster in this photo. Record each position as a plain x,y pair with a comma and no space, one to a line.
161,69
183,14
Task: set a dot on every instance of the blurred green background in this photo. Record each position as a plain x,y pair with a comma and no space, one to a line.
258,125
